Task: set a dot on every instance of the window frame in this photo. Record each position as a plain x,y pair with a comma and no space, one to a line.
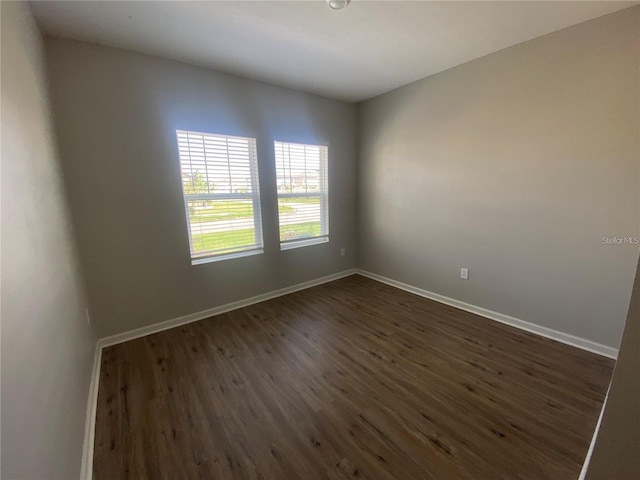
322,194
253,249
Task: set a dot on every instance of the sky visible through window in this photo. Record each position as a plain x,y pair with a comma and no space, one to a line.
301,172
220,186
221,193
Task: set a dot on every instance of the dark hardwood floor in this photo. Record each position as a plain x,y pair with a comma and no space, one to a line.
351,379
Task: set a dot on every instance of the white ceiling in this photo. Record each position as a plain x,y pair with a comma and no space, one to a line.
364,50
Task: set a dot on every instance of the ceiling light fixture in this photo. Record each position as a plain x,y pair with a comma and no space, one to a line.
338,4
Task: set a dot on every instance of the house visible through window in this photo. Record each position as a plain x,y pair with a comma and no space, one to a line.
221,195
302,184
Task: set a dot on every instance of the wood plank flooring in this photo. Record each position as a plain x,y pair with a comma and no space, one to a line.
351,379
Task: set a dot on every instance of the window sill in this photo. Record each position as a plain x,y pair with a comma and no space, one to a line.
228,256
303,243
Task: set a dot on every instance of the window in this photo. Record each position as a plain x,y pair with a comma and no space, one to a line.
303,212
221,195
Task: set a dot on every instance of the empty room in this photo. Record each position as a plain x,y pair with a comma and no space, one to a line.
324,239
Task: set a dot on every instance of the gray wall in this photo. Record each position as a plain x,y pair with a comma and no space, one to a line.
618,443
116,114
514,165
47,346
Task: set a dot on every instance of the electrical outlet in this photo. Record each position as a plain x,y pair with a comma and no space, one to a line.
464,273
86,313
343,251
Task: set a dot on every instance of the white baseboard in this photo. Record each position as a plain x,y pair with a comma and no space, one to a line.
587,460
89,439
86,468
566,338
194,317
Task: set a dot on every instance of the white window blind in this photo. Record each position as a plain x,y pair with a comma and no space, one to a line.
303,194
221,195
